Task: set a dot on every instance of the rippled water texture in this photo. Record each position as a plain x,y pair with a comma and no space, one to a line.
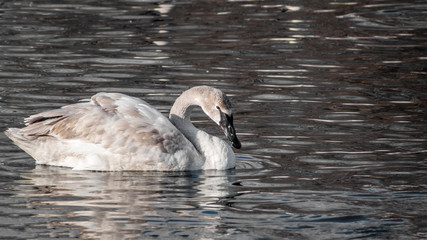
329,100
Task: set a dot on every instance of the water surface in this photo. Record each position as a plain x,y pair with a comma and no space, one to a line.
329,100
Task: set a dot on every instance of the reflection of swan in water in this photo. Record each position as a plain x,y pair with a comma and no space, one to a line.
119,205
115,132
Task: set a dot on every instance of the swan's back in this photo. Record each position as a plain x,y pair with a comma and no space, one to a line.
109,132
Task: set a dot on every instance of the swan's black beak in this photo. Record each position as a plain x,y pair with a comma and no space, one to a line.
227,126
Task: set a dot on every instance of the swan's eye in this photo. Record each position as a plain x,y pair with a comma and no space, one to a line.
217,107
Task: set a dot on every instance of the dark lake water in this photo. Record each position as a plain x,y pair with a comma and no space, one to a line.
330,103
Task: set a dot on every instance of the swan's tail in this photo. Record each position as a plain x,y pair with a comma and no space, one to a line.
13,134
20,140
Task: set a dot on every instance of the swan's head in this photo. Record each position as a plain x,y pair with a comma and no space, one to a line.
217,106
226,124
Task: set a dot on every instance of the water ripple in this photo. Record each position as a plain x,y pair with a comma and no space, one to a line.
329,102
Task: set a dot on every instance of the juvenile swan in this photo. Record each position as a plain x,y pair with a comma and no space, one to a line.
116,132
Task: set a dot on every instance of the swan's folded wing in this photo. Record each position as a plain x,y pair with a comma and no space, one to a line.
132,122
120,123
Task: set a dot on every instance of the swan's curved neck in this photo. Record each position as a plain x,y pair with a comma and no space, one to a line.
180,117
182,108
216,153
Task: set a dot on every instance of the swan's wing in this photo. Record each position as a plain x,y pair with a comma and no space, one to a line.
121,124
106,118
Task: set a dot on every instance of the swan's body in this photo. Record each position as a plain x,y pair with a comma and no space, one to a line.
116,132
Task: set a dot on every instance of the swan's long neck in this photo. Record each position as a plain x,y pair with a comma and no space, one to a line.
180,116
183,105
216,153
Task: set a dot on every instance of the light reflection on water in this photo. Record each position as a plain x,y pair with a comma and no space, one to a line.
330,106
102,202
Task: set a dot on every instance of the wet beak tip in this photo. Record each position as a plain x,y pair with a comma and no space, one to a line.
237,145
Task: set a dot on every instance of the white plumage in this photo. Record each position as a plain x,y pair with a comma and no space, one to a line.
116,132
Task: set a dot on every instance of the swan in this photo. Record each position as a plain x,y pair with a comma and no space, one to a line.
116,132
